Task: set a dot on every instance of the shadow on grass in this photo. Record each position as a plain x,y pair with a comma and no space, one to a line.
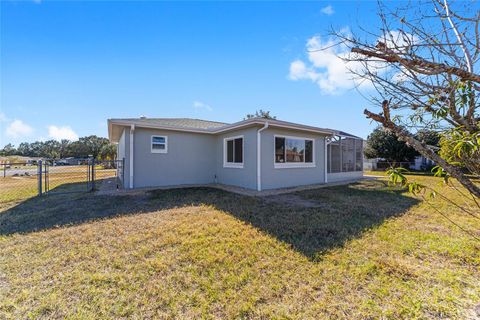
69,187
343,212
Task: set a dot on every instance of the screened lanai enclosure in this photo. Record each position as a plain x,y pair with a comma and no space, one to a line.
344,154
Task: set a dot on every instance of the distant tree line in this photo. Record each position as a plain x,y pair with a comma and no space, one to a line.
97,147
385,144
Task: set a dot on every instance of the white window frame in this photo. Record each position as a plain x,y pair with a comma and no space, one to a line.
158,150
286,165
236,165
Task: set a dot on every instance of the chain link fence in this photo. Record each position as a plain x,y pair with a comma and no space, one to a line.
61,178
108,175
373,165
20,181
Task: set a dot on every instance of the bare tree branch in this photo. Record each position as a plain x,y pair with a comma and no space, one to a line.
423,149
419,65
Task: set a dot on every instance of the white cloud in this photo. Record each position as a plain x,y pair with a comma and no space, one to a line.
325,66
328,10
197,105
399,40
401,75
17,129
299,71
59,133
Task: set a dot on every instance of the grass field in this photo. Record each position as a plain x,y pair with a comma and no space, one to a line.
364,251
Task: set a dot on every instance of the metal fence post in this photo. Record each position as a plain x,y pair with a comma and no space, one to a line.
39,170
93,174
46,181
88,175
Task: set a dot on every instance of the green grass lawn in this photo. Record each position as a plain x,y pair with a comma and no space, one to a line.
364,251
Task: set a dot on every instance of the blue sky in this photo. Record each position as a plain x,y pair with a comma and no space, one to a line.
66,67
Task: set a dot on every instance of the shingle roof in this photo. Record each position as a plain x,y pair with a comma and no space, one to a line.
208,127
185,123
346,134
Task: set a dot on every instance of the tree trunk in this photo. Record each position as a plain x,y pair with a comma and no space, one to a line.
405,136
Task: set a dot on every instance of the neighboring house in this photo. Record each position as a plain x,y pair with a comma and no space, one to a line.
370,164
19,160
257,153
380,164
71,161
419,163
422,164
32,161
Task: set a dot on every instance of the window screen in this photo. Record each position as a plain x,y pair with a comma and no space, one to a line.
238,150
279,150
334,157
230,151
358,155
348,154
345,155
308,151
295,149
159,144
234,150
292,150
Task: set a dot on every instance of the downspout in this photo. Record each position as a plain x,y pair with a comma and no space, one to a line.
132,129
259,157
327,143
326,160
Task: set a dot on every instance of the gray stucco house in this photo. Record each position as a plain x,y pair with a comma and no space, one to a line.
257,153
